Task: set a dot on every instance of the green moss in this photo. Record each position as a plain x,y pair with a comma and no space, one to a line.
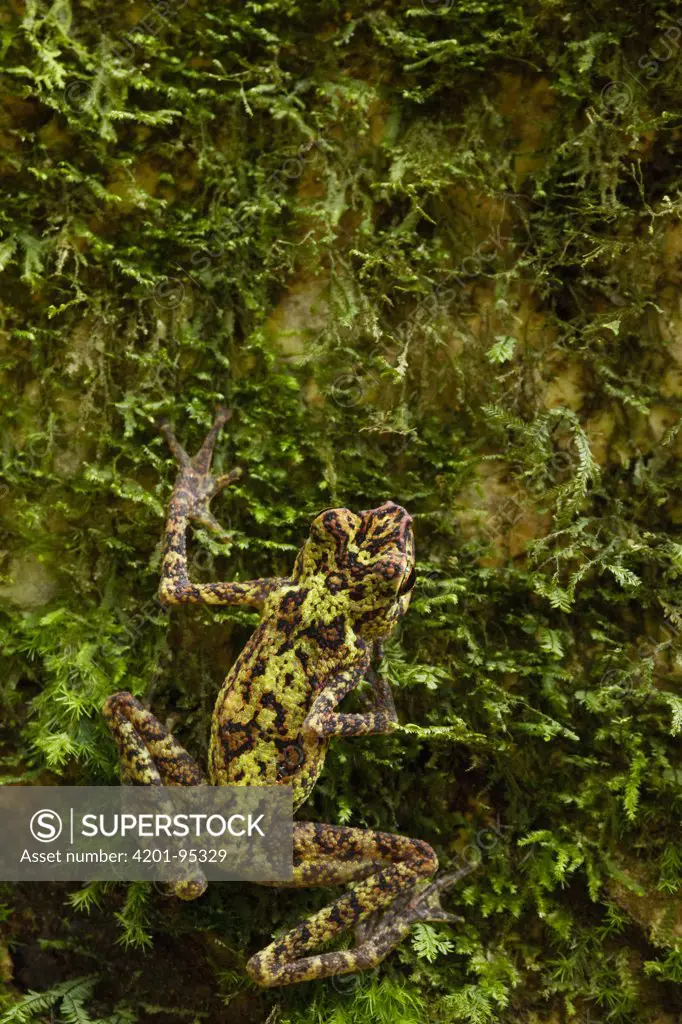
279,205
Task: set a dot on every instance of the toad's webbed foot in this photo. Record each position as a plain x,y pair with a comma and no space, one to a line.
195,485
421,904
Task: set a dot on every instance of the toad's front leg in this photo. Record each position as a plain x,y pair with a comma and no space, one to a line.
194,487
324,720
391,895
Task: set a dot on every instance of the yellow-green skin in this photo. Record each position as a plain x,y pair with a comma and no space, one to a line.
320,629
314,627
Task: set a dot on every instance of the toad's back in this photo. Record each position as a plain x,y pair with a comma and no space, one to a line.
256,737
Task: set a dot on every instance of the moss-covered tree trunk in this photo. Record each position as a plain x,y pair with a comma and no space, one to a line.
427,251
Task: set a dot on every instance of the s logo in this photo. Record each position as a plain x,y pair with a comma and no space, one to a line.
46,826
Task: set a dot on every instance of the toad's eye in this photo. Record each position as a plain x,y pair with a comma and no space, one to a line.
320,526
408,582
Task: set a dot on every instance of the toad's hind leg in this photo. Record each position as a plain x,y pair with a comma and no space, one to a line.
391,895
151,756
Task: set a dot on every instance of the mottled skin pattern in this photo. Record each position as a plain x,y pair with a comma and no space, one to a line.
320,630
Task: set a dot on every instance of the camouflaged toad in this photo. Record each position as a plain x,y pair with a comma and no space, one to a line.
319,632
